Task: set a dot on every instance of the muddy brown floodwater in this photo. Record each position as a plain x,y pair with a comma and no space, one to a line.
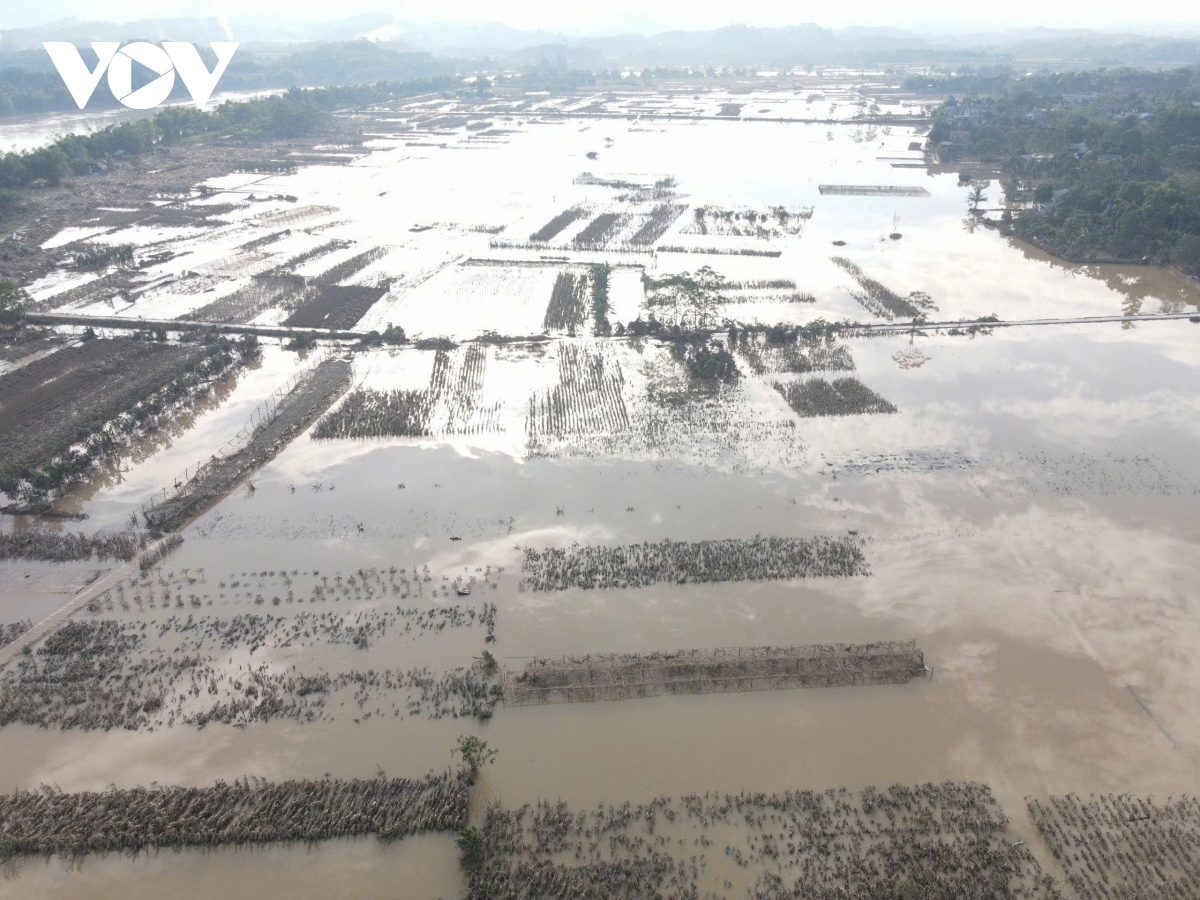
1024,501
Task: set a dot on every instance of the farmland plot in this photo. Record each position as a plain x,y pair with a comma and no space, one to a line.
764,224
465,301
637,402
65,398
453,404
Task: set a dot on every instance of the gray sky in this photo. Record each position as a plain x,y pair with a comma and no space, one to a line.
637,15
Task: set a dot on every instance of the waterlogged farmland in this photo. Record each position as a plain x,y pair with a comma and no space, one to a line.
715,404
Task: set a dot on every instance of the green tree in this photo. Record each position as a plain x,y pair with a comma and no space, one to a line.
471,847
474,752
13,303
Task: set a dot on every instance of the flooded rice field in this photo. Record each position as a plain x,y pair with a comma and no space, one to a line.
974,545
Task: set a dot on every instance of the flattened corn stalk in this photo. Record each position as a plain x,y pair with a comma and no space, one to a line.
250,811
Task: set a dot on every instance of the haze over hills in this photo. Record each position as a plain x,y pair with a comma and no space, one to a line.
735,45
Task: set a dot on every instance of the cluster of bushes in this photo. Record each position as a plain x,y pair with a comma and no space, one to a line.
13,303
706,361
392,336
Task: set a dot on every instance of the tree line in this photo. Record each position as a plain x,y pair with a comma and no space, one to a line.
1108,161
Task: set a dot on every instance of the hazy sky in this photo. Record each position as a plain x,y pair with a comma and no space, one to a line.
610,15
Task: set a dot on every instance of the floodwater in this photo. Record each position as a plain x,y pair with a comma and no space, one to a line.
1029,517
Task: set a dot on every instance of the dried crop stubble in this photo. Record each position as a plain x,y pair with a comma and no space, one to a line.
58,401
661,218
250,811
944,841
606,676
1124,847
880,300
695,562
568,303
841,397
598,231
452,404
65,547
552,228
588,399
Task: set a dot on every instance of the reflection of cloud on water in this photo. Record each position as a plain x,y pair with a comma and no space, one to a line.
1075,417
1125,587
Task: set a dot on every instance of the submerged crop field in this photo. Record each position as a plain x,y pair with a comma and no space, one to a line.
345,474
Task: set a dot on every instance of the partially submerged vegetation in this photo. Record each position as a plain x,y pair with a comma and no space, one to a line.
624,676
251,811
299,408
65,547
596,567
1123,846
452,404
568,303
880,300
599,278
845,396
778,349
10,631
101,256
763,224
552,228
114,673
943,841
